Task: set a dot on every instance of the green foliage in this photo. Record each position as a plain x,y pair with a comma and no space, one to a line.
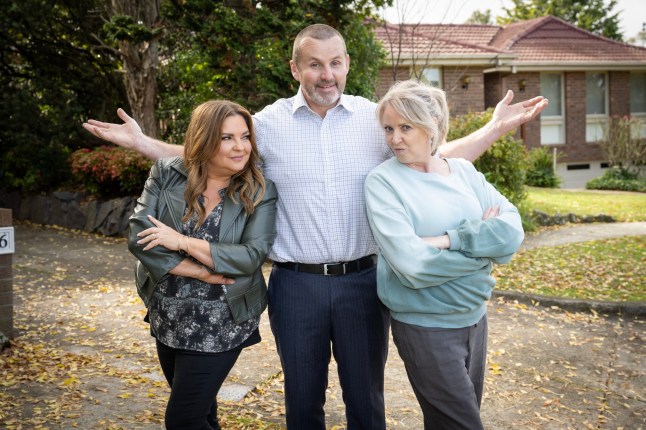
53,77
242,53
480,17
592,15
503,164
60,67
623,207
540,169
110,171
184,83
124,28
618,179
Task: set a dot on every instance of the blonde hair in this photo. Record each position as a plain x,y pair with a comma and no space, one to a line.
203,139
318,32
422,105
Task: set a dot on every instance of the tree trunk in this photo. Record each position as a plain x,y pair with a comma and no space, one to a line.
140,62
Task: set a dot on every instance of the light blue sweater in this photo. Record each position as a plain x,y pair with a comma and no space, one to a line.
422,284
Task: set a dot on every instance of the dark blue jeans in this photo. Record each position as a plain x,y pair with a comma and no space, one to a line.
313,316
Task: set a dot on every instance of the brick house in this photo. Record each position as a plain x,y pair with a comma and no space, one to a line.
586,77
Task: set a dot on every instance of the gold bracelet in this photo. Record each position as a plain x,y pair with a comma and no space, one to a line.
188,248
179,243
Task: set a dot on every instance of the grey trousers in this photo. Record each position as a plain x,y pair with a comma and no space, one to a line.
446,369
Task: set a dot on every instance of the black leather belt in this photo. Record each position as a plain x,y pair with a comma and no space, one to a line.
331,269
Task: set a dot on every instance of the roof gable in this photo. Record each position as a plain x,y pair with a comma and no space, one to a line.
545,40
430,41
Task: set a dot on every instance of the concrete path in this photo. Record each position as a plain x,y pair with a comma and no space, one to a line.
583,233
83,358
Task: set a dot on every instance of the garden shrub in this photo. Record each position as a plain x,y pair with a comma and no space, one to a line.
110,171
503,164
616,178
623,145
540,169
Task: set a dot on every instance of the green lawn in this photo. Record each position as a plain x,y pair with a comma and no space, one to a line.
621,205
608,270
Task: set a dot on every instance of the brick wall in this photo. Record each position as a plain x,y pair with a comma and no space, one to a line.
493,89
386,79
464,100
461,100
531,81
619,88
576,147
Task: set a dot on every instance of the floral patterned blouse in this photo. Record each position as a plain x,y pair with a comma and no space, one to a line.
186,313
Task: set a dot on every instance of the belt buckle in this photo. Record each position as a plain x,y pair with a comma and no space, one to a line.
325,268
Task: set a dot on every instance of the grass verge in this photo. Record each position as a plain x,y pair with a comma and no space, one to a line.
621,205
606,270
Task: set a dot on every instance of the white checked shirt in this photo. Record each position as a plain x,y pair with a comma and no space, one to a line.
319,166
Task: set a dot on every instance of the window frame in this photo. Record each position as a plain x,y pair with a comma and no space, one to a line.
422,77
555,120
598,121
641,116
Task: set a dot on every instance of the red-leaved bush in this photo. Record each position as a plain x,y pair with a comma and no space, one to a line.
110,171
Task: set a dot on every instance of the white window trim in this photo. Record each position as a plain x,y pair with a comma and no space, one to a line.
556,119
420,73
640,115
599,119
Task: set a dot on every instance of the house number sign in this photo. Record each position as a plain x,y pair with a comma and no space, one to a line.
6,240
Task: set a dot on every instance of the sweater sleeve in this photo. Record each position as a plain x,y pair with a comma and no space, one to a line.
416,263
497,238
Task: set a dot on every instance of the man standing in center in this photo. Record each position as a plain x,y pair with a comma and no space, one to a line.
318,147
321,144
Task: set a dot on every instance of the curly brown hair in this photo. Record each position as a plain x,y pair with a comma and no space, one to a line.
203,139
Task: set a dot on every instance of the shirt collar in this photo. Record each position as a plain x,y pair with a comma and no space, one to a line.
299,102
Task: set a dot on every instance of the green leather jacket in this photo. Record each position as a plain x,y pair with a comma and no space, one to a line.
244,240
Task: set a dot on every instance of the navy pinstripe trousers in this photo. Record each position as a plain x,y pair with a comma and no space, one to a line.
313,316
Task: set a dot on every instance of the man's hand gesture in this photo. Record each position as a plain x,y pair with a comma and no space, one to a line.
508,117
127,135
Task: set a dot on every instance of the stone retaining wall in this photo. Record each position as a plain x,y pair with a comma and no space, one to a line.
72,210
110,218
543,219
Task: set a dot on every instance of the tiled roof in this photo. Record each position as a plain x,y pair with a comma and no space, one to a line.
437,40
467,33
550,39
544,40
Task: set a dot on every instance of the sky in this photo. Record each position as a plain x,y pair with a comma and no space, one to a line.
632,13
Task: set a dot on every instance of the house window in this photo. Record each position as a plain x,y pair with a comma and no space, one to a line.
431,76
638,93
553,117
596,105
638,99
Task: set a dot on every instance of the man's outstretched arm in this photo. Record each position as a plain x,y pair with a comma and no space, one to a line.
130,136
506,117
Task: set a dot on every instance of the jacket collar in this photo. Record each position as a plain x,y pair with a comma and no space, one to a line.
174,197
